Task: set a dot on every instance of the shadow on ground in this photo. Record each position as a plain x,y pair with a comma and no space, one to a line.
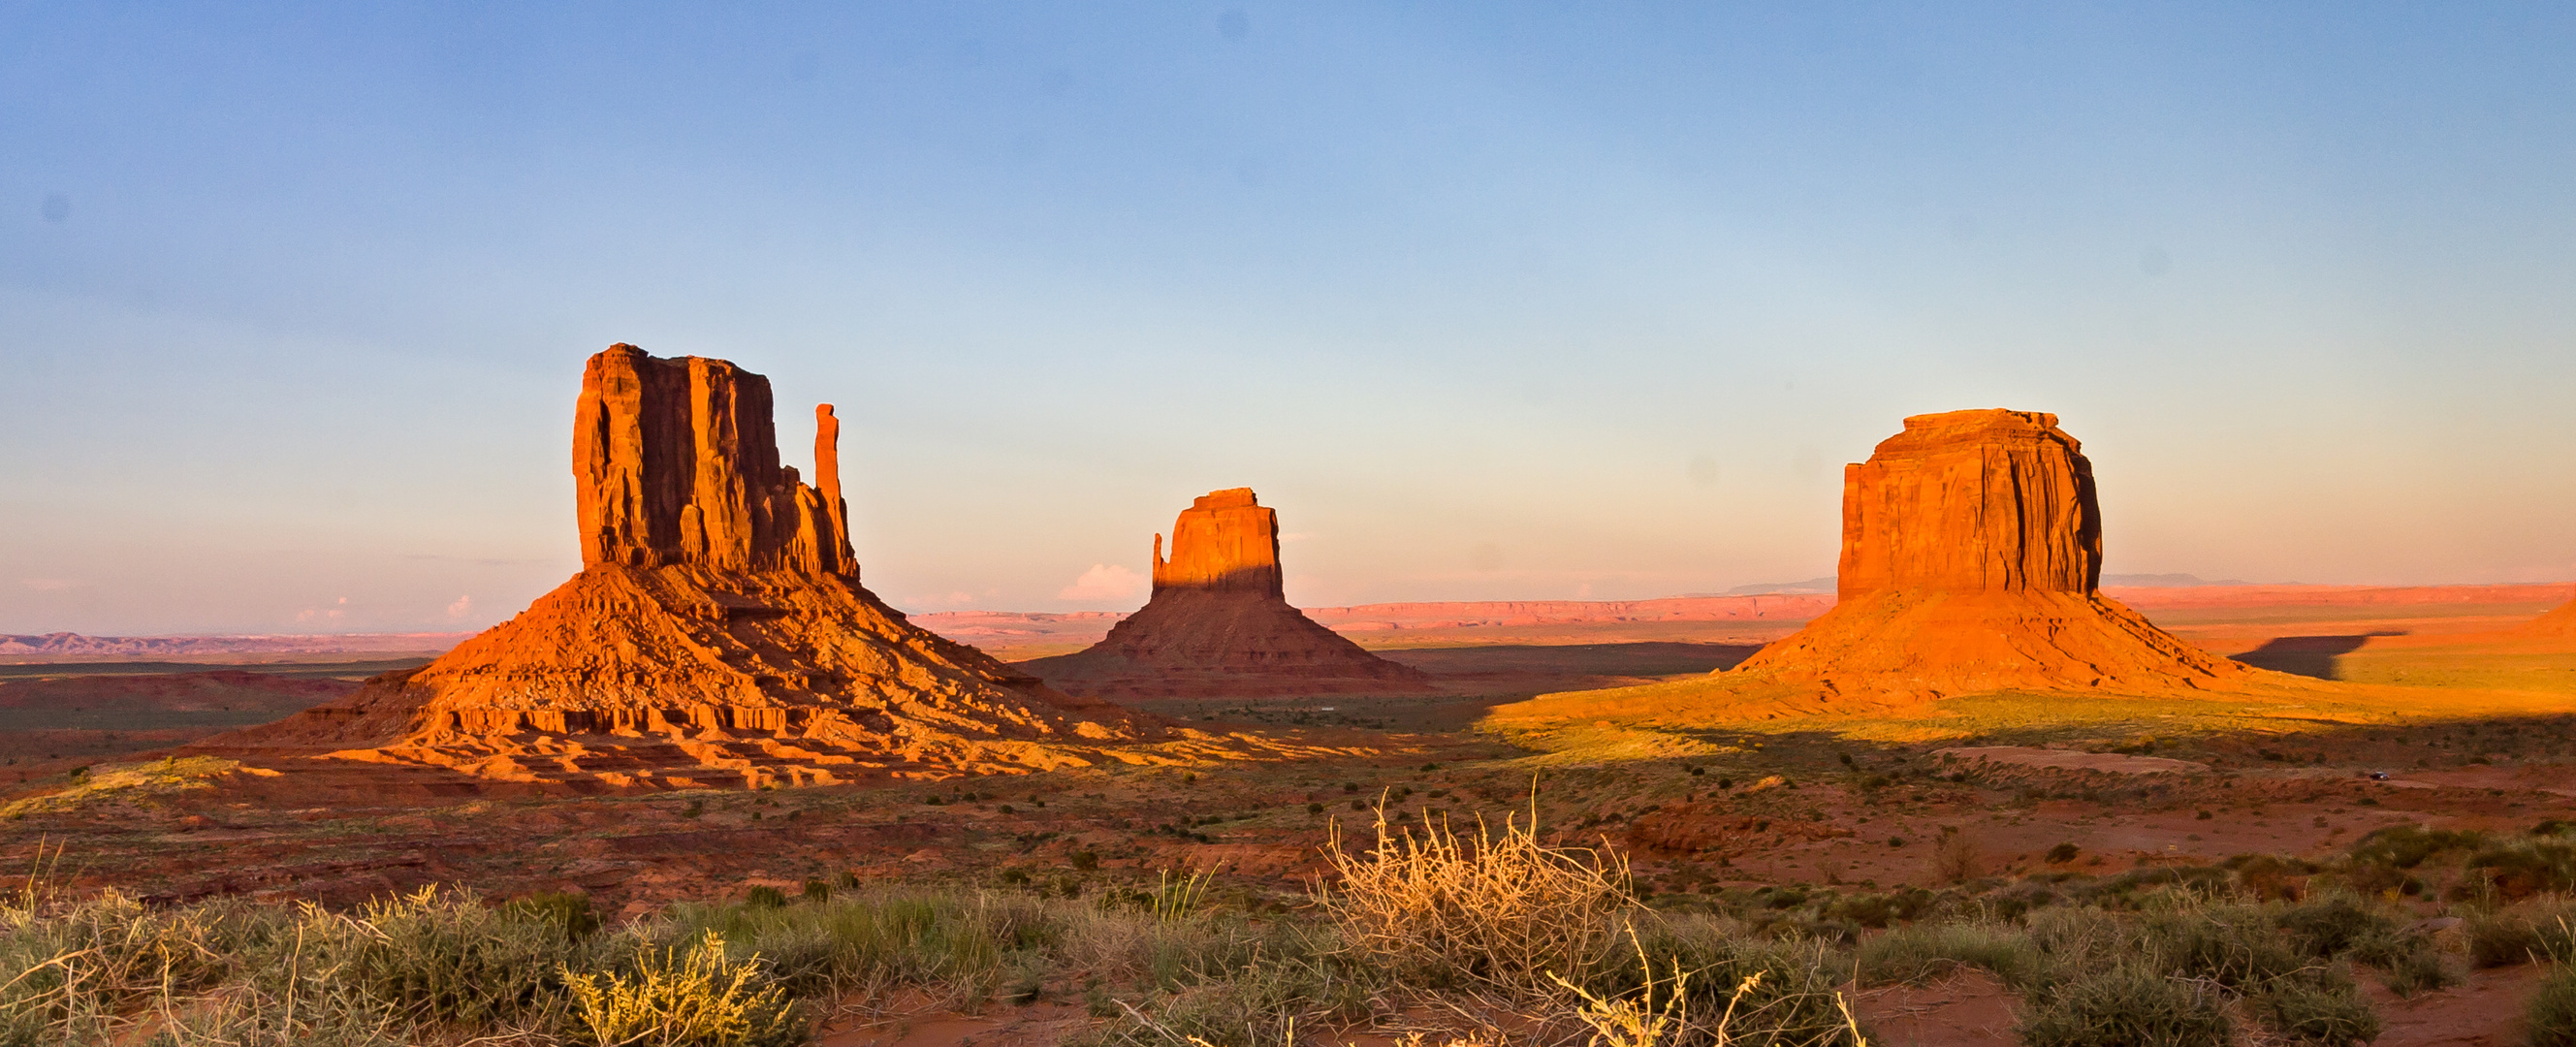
2314,656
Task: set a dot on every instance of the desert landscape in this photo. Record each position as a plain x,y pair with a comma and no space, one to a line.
1954,803
1240,524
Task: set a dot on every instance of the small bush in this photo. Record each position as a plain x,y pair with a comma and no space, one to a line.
2126,1006
2550,1018
2333,925
1924,952
2328,1015
2537,931
566,911
764,897
2417,971
702,998
1502,910
2519,869
2063,853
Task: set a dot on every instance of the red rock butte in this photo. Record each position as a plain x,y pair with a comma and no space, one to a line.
1971,562
1219,625
717,632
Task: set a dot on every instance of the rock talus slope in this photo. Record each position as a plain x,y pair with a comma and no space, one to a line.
717,632
2552,629
1219,624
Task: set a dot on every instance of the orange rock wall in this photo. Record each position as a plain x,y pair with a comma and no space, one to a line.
676,462
1226,542
1972,501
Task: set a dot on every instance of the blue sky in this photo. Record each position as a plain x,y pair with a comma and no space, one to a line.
1490,300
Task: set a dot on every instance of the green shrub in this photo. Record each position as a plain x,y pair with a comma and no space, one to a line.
1923,952
2125,1006
2518,869
2538,930
2328,1013
2329,926
2550,1018
2231,946
567,911
2420,970
764,897
2407,846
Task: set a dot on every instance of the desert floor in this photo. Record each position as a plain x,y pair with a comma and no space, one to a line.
2468,729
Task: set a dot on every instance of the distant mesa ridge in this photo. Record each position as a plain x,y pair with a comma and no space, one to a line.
717,632
1218,622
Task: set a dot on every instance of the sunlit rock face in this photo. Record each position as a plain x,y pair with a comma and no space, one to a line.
1972,553
1218,623
717,632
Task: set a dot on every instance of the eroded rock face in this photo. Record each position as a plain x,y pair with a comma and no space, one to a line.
1226,541
1219,624
1972,553
717,633
1969,502
676,461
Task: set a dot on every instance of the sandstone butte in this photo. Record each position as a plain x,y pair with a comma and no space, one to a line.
717,632
1971,563
1219,625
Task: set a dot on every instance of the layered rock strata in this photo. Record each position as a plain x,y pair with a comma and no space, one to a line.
1219,625
717,632
1971,562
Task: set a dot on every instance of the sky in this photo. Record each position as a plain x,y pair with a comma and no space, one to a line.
1491,300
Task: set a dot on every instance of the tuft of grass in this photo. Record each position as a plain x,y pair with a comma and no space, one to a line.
2127,1006
1924,952
700,998
2540,930
1497,909
2550,1018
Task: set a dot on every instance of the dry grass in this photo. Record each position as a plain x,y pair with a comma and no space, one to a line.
1499,911
670,999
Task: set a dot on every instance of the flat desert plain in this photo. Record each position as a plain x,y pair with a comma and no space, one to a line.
2423,712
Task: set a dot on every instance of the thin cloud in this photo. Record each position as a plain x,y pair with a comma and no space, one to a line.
463,606
49,585
1104,582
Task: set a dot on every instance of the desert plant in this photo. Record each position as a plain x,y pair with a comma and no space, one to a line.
2126,1006
2322,1010
1923,952
2550,1018
2535,931
1498,909
701,998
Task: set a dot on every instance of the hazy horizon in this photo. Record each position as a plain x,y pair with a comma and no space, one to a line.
1489,301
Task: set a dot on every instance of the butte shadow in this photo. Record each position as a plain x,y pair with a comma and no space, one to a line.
717,634
1971,564
1219,625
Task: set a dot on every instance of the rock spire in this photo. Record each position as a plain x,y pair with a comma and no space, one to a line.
1219,623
